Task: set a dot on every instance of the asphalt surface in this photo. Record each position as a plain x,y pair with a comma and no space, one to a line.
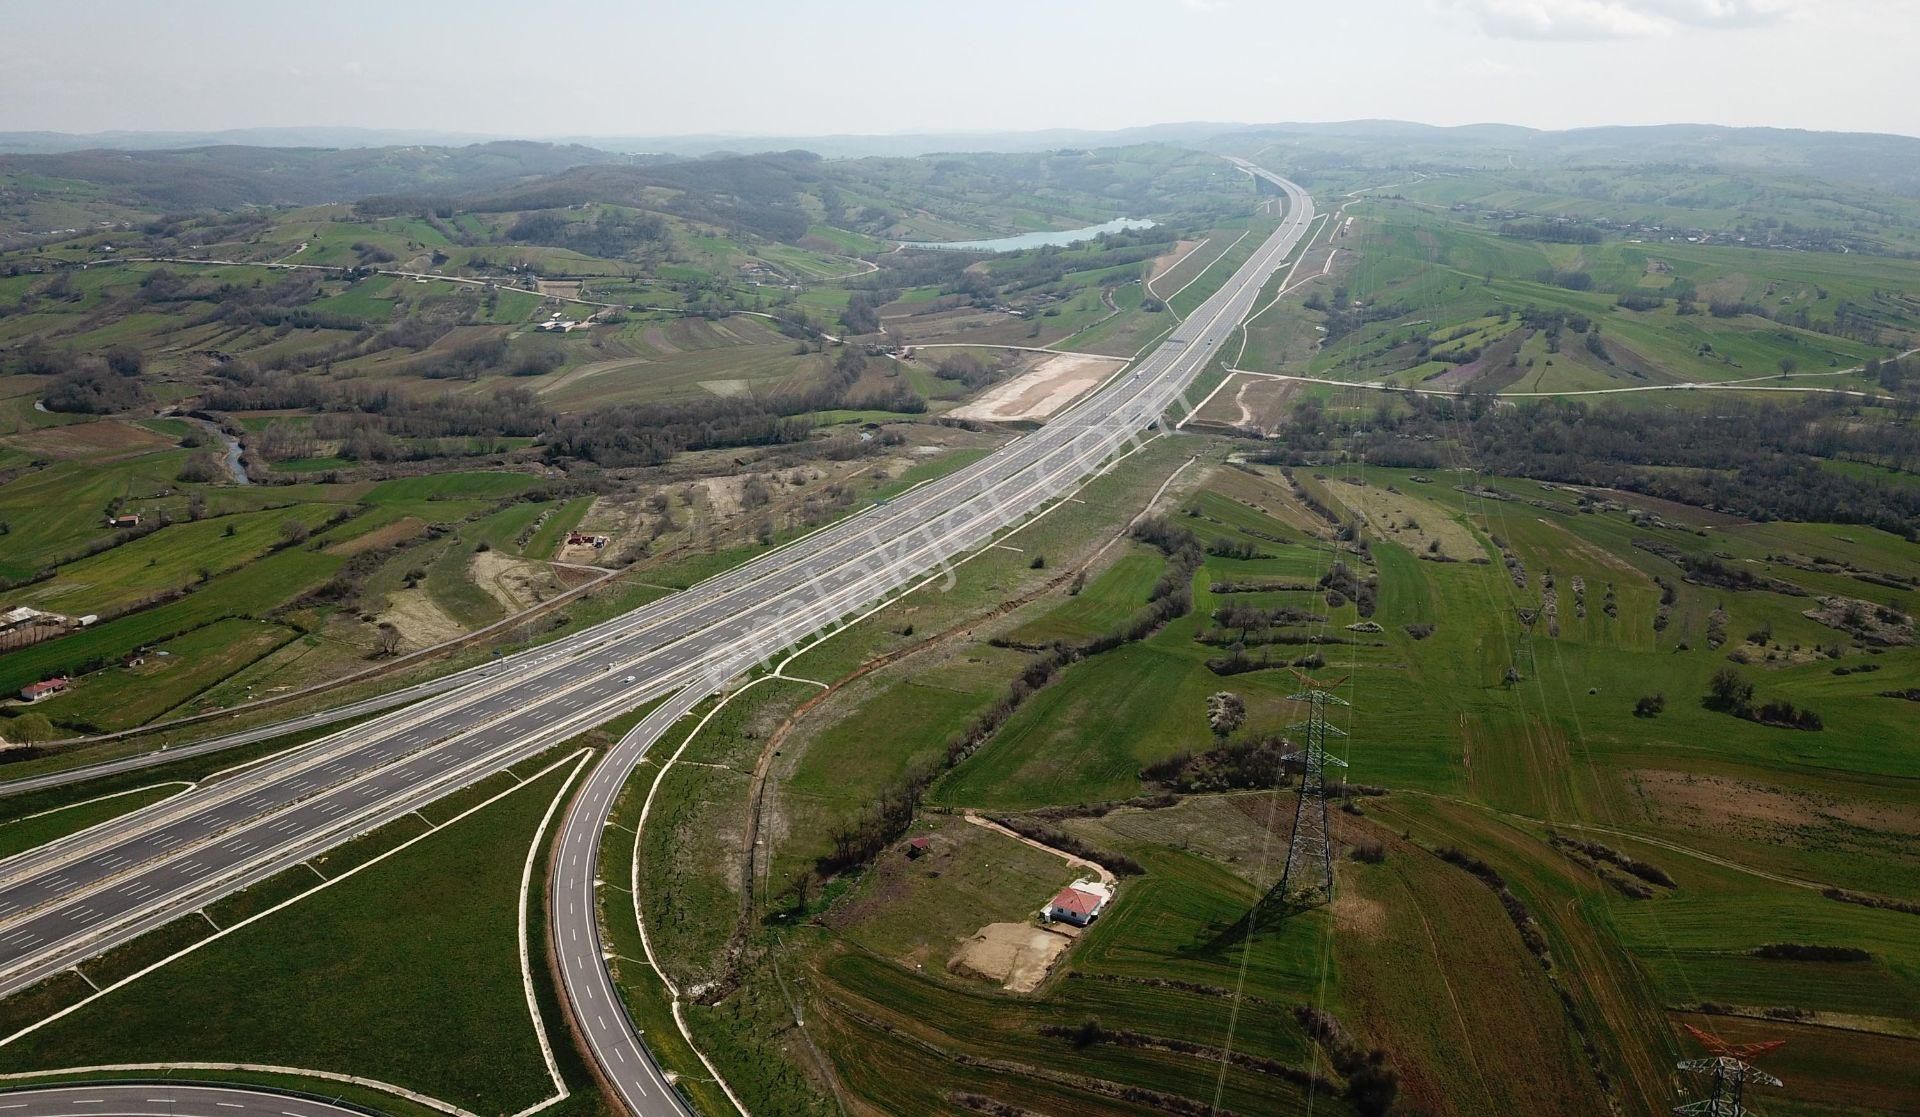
164,1100
77,897
1080,439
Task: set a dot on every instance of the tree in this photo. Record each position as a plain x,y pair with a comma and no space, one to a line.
1226,712
292,531
125,360
29,727
1650,705
389,638
1729,691
1787,365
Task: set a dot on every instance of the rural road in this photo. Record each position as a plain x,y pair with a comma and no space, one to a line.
75,898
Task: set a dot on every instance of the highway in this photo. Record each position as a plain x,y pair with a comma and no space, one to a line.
77,897
1080,440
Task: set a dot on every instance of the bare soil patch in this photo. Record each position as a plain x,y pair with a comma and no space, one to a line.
1267,402
1164,264
1041,391
587,371
1763,810
726,388
390,535
1016,956
1414,523
421,623
1357,915
515,583
724,494
107,438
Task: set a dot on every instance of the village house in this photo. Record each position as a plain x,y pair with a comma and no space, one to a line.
1079,903
45,688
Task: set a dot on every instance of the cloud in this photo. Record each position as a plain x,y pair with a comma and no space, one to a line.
1575,20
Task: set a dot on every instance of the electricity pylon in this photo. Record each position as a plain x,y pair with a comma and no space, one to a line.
1310,849
1731,1072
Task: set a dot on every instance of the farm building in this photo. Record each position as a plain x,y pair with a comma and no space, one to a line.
45,688
128,519
1079,903
14,618
918,847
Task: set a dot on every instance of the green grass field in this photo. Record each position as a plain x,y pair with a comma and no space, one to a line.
446,1017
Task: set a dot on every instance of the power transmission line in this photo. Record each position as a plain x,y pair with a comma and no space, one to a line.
1310,848
1730,1071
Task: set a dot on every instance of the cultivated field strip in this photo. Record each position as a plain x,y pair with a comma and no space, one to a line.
144,868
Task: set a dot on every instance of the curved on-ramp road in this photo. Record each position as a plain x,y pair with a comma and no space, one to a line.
107,1099
77,897
1057,457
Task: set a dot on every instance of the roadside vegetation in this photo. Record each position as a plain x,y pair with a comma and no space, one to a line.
1632,674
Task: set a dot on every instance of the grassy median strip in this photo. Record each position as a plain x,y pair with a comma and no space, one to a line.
443,1012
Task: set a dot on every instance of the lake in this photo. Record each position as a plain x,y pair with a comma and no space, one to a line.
1041,239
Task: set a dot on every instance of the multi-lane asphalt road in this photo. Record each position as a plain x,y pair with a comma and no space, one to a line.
1041,466
70,900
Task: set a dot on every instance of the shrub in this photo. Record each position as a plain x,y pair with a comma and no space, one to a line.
1805,952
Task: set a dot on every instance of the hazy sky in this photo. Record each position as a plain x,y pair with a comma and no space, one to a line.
797,67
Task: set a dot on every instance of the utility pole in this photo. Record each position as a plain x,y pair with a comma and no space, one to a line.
1310,847
1731,1072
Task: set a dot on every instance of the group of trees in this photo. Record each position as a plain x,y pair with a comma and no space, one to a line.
613,234
1731,693
1761,460
1556,232
94,384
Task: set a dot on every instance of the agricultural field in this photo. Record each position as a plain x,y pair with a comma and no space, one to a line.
1439,302
1500,637
1594,542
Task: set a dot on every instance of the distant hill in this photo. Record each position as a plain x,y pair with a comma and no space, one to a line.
1885,162
221,177
48,143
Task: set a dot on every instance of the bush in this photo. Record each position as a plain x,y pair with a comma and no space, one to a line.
1804,952
1650,705
1729,692
28,727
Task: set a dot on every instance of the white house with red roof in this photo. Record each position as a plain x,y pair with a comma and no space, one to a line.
1079,903
45,688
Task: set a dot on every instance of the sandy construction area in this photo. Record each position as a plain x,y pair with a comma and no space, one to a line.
422,624
515,583
1017,955
1040,391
